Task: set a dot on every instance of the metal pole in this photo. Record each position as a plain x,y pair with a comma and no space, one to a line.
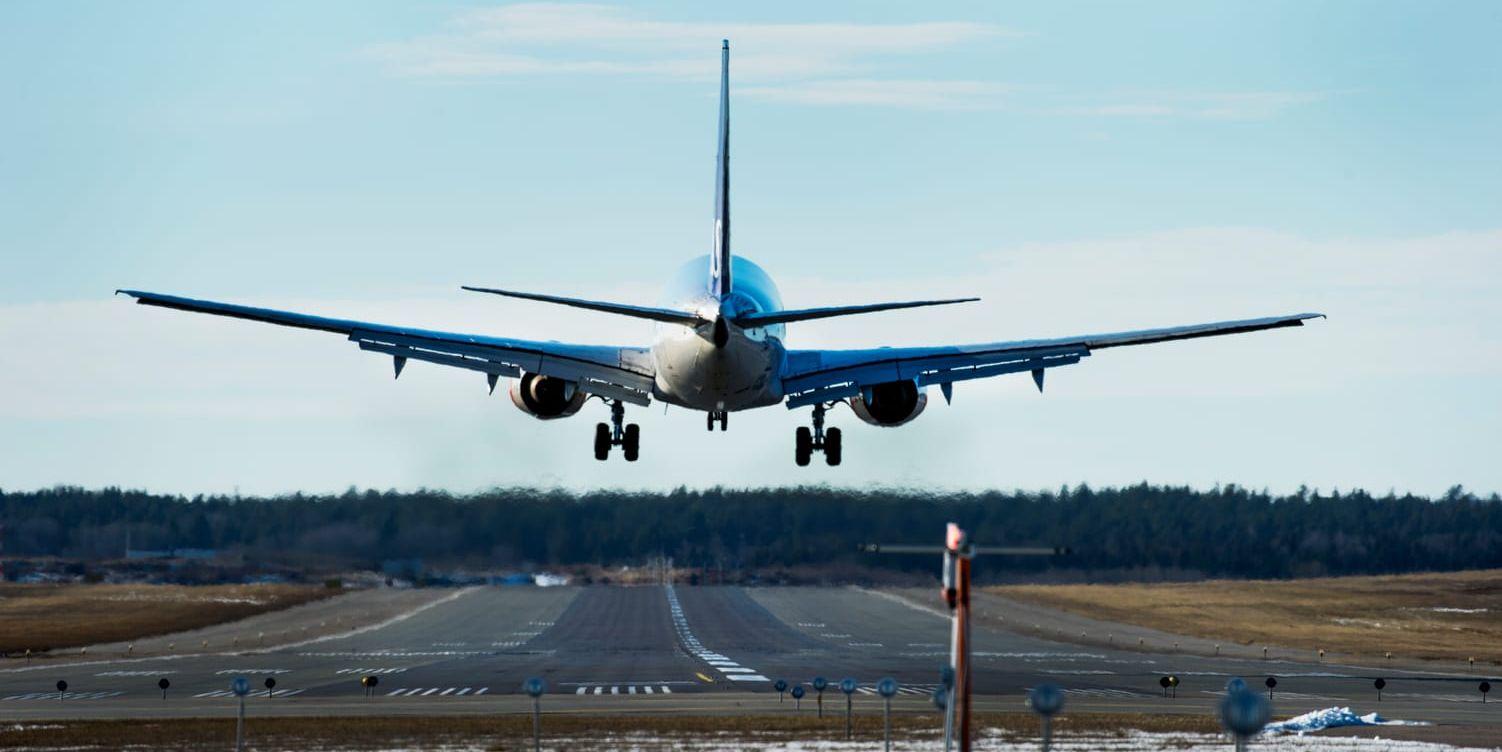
536,724
1047,732
240,727
948,718
1240,743
962,653
849,734
886,723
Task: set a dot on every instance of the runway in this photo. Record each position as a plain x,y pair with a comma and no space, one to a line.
687,650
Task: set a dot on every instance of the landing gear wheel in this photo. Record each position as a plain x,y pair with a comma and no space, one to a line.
803,446
631,441
709,421
832,448
602,441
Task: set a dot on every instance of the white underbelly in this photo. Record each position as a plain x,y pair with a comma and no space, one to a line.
692,372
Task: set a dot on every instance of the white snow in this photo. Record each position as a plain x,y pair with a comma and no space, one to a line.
986,741
1316,720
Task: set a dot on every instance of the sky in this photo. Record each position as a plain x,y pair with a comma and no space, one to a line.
1081,167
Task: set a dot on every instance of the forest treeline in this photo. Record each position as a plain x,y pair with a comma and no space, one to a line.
1227,531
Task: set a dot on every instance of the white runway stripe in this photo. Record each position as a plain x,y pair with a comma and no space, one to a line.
439,691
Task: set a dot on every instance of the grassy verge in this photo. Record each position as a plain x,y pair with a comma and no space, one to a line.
50,617
1451,616
514,732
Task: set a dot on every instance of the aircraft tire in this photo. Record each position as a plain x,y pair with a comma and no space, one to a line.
631,442
602,441
833,451
803,446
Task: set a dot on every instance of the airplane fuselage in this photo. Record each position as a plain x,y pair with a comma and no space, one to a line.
731,369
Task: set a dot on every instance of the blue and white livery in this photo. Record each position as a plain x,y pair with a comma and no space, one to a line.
719,348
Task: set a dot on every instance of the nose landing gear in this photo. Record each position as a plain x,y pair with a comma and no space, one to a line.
627,437
723,416
817,440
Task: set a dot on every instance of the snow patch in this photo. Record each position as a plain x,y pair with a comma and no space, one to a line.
1316,720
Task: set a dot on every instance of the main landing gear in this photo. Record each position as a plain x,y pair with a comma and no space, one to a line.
817,440
722,416
627,438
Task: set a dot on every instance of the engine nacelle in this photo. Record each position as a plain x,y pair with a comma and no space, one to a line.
889,404
546,397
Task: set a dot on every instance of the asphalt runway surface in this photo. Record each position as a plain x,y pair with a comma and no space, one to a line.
688,649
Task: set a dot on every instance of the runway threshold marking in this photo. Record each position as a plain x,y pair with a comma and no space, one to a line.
65,696
631,689
226,693
442,691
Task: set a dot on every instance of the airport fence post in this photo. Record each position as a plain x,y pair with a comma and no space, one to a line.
535,686
886,688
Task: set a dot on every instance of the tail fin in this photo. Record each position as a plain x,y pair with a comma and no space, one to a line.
719,261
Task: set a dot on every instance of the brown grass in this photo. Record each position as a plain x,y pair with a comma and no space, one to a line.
1366,616
49,617
513,732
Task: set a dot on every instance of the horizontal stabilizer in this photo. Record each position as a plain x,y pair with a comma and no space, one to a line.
769,318
667,315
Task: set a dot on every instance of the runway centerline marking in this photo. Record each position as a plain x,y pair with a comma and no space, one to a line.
728,667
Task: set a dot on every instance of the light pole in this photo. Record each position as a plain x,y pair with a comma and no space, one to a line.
847,685
886,688
1244,713
820,683
1046,700
535,686
241,687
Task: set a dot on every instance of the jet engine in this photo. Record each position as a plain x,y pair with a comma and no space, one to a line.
546,397
889,404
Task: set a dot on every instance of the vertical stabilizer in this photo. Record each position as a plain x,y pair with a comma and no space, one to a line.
719,261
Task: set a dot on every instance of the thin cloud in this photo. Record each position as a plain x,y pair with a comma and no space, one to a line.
914,94
810,63
1245,105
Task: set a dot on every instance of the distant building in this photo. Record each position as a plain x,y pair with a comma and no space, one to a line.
198,554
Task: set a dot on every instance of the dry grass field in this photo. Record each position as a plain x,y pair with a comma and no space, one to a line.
50,617
1450,616
513,732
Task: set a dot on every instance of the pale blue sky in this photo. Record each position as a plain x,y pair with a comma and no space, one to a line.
1082,167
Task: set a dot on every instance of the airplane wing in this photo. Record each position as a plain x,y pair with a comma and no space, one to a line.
624,373
814,376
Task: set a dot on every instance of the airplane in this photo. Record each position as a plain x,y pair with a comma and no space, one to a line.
719,348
